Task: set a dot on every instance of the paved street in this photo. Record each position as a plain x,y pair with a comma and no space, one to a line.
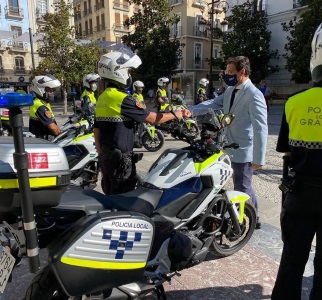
250,273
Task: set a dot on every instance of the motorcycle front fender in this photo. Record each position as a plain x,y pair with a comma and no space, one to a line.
238,199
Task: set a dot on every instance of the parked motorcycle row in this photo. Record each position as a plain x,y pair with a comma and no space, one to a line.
123,246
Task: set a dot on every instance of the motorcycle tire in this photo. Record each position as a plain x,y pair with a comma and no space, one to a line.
193,131
45,286
227,244
152,144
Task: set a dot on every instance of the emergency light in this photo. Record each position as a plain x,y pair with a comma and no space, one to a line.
16,99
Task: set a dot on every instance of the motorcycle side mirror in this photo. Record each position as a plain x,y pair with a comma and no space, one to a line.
226,119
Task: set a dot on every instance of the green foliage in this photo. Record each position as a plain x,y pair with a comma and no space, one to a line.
61,54
248,36
298,47
150,39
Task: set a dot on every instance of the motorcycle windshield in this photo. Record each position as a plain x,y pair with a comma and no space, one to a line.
206,115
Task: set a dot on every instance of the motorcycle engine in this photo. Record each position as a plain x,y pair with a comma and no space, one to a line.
179,251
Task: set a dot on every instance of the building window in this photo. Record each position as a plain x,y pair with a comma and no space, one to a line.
297,3
42,6
19,65
197,56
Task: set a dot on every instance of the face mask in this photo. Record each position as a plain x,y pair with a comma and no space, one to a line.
94,87
230,80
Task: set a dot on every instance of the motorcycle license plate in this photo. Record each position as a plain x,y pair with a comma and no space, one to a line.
7,262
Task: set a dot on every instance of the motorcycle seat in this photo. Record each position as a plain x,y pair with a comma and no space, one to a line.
142,200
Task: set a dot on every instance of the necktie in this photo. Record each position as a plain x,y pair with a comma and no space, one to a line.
232,98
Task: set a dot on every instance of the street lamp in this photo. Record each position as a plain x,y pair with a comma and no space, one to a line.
215,7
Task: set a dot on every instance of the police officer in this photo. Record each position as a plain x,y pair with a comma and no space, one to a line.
115,116
161,94
138,87
41,118
202,90
90,85
301,217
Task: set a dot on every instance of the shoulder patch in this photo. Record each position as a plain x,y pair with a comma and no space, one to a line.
140,104
48,114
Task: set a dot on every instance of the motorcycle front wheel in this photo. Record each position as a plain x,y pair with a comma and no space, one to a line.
193,131
227,243
152,144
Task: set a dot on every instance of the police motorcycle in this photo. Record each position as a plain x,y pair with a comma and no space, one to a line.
152,139
122,246
77,140
190,125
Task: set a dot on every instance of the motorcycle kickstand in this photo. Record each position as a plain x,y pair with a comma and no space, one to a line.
160,292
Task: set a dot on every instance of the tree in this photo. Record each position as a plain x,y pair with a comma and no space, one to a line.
249,36
159,53
66,59
301,29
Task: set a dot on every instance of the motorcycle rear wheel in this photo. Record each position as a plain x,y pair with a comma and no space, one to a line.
152,144
45,286
225,244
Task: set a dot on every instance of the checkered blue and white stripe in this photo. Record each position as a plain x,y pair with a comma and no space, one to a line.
121,241
224,175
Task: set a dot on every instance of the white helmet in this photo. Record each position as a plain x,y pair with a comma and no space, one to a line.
137,84
162,81
92,77
115,65
40,83
204,82
316,58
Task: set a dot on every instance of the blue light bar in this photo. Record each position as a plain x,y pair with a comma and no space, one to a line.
16,99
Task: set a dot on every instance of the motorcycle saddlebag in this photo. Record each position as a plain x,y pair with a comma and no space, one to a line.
48,169
101,252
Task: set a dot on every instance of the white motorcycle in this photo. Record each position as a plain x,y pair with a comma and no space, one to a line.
125,246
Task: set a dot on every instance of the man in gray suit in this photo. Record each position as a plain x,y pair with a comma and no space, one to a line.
249,128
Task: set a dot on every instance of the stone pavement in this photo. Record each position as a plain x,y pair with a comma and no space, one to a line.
248,274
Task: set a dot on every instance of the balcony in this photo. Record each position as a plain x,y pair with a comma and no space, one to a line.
117,4
120,27
77,16
14,12
198,3
20,70
17,46
87,12
100,28
176,32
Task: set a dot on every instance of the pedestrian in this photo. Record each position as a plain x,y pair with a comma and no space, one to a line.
266,92
300,138
249,128
115,116
41,118
90,86
162,99
138,87
202,90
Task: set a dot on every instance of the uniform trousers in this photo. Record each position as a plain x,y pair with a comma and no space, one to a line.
242,178
301,219
110,185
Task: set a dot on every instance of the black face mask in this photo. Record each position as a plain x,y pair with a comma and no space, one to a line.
230,80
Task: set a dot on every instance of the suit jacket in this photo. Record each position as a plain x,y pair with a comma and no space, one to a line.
249,128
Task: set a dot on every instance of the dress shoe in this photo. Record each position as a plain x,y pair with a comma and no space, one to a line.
258,225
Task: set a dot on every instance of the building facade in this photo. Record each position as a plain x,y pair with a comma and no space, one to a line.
15,58
196,52
278,12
